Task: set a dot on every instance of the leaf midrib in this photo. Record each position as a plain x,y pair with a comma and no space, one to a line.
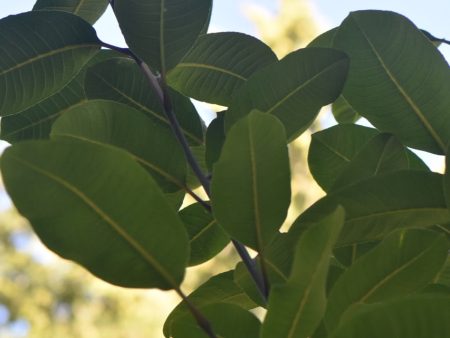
408,99
45,55
148,257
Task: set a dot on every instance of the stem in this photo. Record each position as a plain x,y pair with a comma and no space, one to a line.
201,320
158,84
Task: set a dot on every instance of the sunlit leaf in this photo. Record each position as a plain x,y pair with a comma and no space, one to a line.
218,65
251,181
296,308
95,205
40,52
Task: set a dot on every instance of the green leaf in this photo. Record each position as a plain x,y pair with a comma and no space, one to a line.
379,205
120,80
401,83
293,89
296,308
443,277
161,32
36,121
418,316
250,186
405,261
89,10
347,255
343,112
206,236
325,39
218,65
214,139
227,321
155,148
40,53
382,154
218,289
332,150
94,205
447,180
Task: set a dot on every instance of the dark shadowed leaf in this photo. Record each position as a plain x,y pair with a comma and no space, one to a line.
40,52
402,263
214,139
347,255
332,150
447,181
401,83
218,65
382,154
89,10
296,308
218,289
36,121
95,205
161,32
152,146
250,187
418,316
379,205
293,89
206,236
227,321
121,80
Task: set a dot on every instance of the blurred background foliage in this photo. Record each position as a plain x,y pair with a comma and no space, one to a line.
43,296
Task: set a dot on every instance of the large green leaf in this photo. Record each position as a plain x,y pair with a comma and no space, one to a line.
400,83
95,205
377,206
121,80
296,308
218,289
206,236
403,262
418,316
89,10
161,32
40,52
250,186
382,154
343,112
218,65
293,89
227,321
155,148
214,139
333,151
36,121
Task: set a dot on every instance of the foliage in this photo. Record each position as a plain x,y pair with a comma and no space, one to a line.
103,184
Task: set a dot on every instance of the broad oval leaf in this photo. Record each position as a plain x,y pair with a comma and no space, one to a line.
155,148
418,316
89,10
382,154
214,139
36,121
401,83
206,236
293,89
379,205
217,289
402,263
296,308
94,205
120,80
250,188
227,321
40,53
161,32
218,65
